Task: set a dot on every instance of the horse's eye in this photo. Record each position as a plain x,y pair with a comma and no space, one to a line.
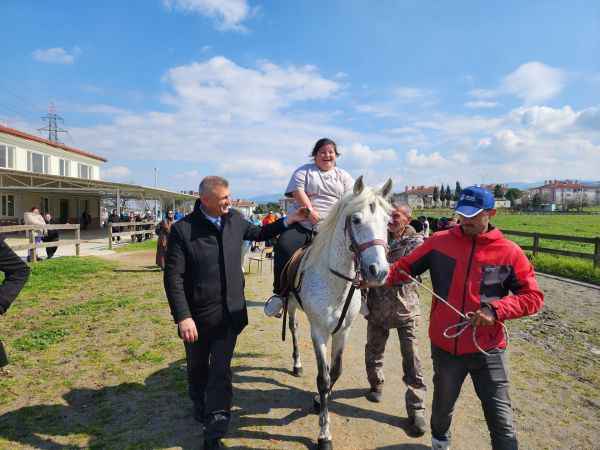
372,206
356,220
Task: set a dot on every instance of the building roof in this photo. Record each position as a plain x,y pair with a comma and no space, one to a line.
557,184
239,203
31,137
419,190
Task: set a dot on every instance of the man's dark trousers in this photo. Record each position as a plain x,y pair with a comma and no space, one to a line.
209,378
490,380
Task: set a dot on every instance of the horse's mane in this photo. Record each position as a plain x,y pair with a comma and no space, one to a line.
349,204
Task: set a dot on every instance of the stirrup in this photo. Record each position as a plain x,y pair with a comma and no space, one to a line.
274,306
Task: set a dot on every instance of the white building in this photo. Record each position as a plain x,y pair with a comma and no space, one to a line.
61,180
567,192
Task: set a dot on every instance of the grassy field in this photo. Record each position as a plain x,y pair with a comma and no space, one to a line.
560,224
96,363
137,246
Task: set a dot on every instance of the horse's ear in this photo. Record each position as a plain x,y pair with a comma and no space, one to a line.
387,188
359,185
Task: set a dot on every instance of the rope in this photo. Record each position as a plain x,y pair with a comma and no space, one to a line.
461,326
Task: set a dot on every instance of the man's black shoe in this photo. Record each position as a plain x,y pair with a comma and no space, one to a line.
211,444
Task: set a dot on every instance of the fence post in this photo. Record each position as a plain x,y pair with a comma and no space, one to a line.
110,238
536,244
597,253
32,252
77,240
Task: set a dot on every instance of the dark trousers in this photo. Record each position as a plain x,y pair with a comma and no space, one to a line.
289,241
377,337
209,378
490,379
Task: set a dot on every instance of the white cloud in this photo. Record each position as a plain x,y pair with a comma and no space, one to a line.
225,90
544,118
483,93
407,94
116,173
481,104
56,55
229,14
535,82
421,160
590,118
360,156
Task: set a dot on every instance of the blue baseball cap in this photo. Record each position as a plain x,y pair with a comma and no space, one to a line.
473,200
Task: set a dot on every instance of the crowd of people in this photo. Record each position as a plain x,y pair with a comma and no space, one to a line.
473,269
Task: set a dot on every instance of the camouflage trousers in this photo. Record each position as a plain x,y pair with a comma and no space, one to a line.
377,337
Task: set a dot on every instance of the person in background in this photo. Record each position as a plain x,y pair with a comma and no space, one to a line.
163,230
425,224
34,217
15,273
316,186
397,307
114,218
51,236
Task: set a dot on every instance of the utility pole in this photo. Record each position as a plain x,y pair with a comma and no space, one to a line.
155,200
52,128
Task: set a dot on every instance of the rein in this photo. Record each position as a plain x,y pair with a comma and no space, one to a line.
461,326
356,250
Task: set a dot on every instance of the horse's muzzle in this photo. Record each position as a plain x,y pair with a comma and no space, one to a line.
377,274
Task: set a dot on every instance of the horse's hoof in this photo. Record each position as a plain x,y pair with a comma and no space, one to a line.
298,371
324,444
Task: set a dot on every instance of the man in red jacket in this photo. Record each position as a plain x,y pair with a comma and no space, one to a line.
482,274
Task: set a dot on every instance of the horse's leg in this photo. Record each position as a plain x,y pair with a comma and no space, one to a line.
294,331
338,342
319,339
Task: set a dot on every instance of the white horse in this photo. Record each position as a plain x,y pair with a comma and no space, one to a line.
352,239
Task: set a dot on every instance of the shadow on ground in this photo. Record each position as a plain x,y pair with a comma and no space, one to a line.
157,414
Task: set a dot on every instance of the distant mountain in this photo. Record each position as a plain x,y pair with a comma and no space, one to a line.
266,198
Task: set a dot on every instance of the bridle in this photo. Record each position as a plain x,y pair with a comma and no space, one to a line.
357,249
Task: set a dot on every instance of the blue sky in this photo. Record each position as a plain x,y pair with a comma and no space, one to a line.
423,93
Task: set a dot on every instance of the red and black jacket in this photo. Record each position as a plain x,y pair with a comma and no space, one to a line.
470,272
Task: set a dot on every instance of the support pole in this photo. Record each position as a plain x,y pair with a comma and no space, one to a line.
77,240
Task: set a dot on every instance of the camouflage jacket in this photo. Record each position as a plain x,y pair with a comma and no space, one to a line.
392,306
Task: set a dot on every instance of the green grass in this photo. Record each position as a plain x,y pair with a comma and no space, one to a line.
137,246
573,268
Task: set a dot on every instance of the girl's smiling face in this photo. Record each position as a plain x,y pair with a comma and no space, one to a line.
325,157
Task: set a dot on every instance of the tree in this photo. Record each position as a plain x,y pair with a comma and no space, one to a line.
436,195
536,201
512,194
498,191
448,194
457,191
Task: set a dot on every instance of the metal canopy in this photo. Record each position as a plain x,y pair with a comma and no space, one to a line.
15,180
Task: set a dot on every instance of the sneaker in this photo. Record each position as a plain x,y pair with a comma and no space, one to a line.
417,424
274,306
374,395
439,445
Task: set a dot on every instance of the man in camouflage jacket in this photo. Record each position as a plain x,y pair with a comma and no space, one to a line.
397,307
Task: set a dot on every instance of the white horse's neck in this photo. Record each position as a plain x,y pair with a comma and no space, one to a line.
338,256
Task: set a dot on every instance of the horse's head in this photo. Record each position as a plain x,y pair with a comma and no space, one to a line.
366,228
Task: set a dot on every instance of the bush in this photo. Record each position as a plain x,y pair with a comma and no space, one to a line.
576,269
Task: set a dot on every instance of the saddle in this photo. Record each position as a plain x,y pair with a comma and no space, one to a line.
288,283
287,280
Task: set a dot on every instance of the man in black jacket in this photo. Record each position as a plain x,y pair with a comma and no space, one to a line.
205,287
16,273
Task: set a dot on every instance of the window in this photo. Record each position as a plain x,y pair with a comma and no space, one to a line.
45,205
65,168
7,157
7,205
85,171
38,163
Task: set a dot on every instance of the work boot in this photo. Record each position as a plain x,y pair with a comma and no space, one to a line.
417,424
436,444
374,395
274,306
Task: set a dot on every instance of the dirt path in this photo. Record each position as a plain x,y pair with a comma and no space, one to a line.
556,396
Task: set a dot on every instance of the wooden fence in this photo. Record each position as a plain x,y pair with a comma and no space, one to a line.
130,229
537,248
30,232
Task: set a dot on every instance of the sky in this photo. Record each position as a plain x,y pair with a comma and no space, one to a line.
422,92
